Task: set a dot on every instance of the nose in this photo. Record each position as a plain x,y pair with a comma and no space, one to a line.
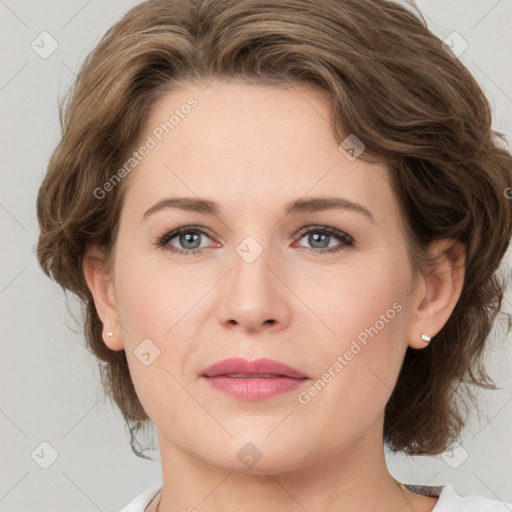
254,297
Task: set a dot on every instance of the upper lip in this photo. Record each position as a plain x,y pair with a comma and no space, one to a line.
242,367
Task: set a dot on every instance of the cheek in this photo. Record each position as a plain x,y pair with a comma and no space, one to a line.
365,308
356,371
157,304
153,296
152,307
358,296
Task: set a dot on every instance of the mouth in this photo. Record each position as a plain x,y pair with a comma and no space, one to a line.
251,376
253,380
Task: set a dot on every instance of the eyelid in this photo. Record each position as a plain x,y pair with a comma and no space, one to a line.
167,236
344,238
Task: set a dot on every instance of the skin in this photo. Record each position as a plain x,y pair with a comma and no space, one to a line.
253,149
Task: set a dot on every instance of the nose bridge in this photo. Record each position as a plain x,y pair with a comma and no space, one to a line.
251,266
253,296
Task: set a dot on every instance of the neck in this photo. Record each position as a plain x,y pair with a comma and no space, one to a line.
356,478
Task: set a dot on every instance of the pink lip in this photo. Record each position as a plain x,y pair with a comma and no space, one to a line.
253,380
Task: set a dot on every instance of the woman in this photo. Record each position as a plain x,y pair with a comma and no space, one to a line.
285,222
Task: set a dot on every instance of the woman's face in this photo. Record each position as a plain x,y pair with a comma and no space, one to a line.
272,273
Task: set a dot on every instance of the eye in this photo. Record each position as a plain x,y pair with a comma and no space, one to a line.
321,237
188,238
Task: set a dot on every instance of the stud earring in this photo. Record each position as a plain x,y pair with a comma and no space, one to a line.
425,338
111,333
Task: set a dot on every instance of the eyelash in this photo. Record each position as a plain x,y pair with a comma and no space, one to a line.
346,240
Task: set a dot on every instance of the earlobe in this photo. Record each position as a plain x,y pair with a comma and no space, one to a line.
101,286
440,292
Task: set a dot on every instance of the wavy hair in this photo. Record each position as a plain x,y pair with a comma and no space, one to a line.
391,82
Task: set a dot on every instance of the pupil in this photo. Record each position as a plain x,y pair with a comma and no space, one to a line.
318,239
185,239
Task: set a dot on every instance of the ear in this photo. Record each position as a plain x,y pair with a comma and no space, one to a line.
102,288
439,291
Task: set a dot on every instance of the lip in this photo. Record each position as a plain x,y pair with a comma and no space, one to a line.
253,380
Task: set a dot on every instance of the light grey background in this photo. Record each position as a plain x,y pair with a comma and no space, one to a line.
50,389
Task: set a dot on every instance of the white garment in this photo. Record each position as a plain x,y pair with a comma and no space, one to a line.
449,500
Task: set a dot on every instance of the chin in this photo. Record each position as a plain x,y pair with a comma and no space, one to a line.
256,455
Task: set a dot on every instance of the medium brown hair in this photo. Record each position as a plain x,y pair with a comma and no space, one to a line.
391,82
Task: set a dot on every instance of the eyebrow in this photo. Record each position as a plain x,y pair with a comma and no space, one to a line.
297,207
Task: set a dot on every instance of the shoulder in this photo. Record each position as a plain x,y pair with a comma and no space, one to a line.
450,501
139,503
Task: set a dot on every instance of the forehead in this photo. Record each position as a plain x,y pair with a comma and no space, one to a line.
251,144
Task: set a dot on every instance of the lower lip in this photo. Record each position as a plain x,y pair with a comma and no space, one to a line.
254,388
